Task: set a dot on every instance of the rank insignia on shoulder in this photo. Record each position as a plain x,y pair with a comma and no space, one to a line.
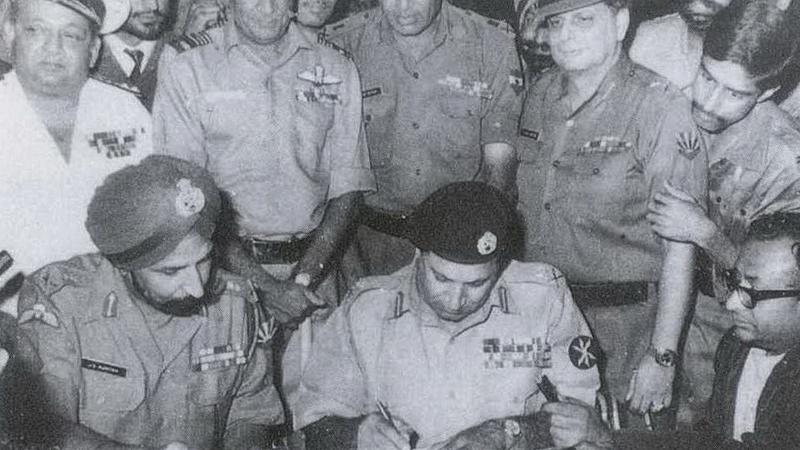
323,41
115,143
189,41
528,133
584,352
99,366
219,357
475,88
39,312
689,144
517,81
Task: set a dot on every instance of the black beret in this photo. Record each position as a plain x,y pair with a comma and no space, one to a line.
466,222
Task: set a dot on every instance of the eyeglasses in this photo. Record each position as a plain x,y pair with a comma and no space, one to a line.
733,281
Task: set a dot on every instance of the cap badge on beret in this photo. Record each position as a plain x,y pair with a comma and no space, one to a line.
190,199
487,243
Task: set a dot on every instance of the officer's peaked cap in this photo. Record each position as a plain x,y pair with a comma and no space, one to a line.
466,222
546,8
141,213
94,10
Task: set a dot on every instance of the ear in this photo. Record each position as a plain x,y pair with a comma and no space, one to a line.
94,50
766,95
796,251
623,22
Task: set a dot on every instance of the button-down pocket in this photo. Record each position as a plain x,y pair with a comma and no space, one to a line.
379,123
459,105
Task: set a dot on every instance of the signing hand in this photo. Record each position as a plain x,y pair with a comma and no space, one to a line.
202,15
650,387
575,423
377,432
489,435
287,301
677,216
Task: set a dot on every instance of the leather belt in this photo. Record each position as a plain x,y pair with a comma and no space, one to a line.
276,252
387,223
609,294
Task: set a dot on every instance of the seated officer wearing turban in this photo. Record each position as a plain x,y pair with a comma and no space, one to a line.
448,350
148,343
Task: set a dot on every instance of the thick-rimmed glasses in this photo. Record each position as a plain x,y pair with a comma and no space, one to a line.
733,281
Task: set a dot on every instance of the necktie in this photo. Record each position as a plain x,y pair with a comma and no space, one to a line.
137,56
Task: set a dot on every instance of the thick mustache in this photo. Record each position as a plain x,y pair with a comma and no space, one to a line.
697,106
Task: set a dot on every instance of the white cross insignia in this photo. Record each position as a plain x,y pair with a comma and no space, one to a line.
584,352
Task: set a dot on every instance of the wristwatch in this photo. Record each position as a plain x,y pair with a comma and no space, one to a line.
664,357
512,430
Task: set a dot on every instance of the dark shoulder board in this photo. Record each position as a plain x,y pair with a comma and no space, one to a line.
186,42
117,84
358,20
326,43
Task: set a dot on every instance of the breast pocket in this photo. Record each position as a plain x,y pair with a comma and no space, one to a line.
609,171
462,123
379,108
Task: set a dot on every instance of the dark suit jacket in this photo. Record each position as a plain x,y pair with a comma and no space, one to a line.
108,68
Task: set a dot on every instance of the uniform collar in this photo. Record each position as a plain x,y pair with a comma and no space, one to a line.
621,70
443,24
293,40
499,302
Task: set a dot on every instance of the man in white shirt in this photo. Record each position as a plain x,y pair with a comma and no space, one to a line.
61,133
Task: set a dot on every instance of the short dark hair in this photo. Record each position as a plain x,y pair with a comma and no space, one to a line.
756,34
616,5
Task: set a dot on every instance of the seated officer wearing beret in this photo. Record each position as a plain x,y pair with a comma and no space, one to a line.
149,343
448,350
756,399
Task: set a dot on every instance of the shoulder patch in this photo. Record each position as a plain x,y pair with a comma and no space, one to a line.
189,41
326,43
117,84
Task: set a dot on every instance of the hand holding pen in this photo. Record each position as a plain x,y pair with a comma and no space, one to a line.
382,430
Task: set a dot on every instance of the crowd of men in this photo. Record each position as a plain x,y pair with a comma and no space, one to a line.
235,224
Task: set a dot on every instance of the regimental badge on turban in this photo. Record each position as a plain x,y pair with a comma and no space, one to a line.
190,199
487,243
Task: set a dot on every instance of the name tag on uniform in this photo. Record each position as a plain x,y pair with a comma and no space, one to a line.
530,134
371,92
606,144
99,366
516,353
219,357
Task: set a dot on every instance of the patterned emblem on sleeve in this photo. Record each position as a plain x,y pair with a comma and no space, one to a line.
688,145
584,352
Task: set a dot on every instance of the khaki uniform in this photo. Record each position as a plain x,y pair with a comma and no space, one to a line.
386,345
280,139
585,180
115,365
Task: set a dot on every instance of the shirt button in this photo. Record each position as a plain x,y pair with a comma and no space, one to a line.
595,171
570,123
556,163
415,75
415,125
719,199
547,206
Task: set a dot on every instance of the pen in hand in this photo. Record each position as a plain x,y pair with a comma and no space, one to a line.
413,437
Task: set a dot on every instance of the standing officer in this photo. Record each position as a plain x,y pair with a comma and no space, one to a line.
130,55
753,152
599,136
275,117
452,345
58,138
148,342
441,89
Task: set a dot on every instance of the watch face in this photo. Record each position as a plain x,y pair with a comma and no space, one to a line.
117,12
666,358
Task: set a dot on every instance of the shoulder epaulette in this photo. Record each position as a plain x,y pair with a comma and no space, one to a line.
117,84
189,41
73,272
326,43
501,25
348,23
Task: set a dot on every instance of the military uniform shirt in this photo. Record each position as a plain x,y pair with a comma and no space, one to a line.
281,139
426,120
585,179
754,170
107,367
666,46
385,344
43,197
